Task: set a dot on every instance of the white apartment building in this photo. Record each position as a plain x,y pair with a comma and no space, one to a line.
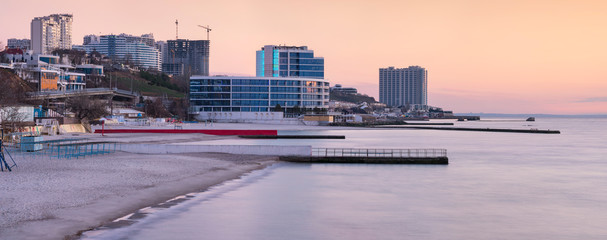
23,44
51,32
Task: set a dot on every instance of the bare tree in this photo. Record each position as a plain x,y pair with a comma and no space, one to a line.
85,108
179,107
156,108
12,117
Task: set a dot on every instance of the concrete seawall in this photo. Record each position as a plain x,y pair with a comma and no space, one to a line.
368,160
233,149
294,136
204,131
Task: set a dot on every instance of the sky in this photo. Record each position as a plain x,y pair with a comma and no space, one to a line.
491,56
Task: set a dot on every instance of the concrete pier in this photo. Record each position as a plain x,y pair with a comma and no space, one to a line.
372,156
367,160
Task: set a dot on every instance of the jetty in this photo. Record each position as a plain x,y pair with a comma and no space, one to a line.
533,130
372,156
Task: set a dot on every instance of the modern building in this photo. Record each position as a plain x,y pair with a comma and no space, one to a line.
254,98
147,39
23,44
404,87
126,49
289,61
162,48
46,73
347,90
51,32
91,39
186,57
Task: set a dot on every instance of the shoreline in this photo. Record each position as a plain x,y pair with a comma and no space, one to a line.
156,208
46,198
49,198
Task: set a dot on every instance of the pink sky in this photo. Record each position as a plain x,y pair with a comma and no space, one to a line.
481,56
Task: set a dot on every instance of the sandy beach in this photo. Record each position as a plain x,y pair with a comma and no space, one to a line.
50,198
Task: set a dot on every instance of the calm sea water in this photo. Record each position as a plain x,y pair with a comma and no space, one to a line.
497,186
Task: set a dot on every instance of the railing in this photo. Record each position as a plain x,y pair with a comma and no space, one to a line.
378,153
4,163
83,149
81,91
64,148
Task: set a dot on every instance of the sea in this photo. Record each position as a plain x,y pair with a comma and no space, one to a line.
497,185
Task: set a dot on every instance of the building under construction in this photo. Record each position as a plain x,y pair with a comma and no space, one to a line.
186,57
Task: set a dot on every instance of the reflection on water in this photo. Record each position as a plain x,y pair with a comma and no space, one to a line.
497,186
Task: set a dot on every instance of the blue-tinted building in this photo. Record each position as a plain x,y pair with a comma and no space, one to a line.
289,61
241,98
126,49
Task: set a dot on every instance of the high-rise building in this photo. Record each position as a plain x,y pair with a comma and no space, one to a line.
23,44
289,61
187,57
51,32
404,87
147,39
91,39
126,49
162,48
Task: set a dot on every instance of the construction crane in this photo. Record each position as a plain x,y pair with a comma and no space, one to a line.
176,29
208,30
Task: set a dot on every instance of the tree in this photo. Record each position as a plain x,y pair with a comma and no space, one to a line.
12,116
179,108
296,109
85,108
277,108
75,57
316,110
156,108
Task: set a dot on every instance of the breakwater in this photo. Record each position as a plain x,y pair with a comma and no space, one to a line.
386,123
542,131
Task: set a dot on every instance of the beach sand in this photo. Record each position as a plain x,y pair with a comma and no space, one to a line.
49,198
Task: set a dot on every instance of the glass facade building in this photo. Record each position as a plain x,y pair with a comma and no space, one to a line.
255,94
404,87
124,49
289,61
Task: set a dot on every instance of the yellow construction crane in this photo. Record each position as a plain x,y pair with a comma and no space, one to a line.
208,30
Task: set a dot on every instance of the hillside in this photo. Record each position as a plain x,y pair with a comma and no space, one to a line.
12,87
353,98
154,85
